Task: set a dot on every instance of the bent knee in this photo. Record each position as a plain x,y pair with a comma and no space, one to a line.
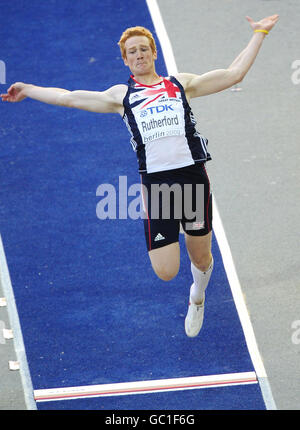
166,261
202,262
166,273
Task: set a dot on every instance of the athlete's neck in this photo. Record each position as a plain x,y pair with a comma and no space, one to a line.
148,79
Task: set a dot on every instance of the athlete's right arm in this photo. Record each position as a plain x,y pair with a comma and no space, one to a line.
109,101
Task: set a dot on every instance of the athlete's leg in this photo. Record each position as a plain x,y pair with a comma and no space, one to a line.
199,250
166,261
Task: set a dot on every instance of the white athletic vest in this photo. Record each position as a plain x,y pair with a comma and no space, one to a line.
162,126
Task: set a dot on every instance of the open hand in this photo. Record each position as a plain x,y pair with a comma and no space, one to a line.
15,93
264,24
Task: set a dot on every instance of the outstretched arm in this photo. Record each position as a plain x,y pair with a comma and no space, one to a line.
109,101
221,79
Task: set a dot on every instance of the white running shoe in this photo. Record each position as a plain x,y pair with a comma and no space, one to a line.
194,318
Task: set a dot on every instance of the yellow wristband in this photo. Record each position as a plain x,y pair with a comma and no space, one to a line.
261,31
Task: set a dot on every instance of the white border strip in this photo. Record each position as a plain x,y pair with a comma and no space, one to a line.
242,308
162,36
15,323
237,292
219,232
142,387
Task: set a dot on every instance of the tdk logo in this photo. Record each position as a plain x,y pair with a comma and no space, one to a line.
156,109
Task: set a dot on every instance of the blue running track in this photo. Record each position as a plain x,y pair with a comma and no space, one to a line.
91,309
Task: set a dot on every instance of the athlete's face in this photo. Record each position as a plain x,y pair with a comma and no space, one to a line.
139,55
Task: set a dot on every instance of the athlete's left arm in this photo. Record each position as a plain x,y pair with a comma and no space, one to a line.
221,79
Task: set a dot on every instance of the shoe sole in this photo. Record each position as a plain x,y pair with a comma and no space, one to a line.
185,323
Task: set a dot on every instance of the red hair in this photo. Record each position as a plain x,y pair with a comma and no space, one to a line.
136,31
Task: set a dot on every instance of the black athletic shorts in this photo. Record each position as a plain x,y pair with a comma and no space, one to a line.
173,197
